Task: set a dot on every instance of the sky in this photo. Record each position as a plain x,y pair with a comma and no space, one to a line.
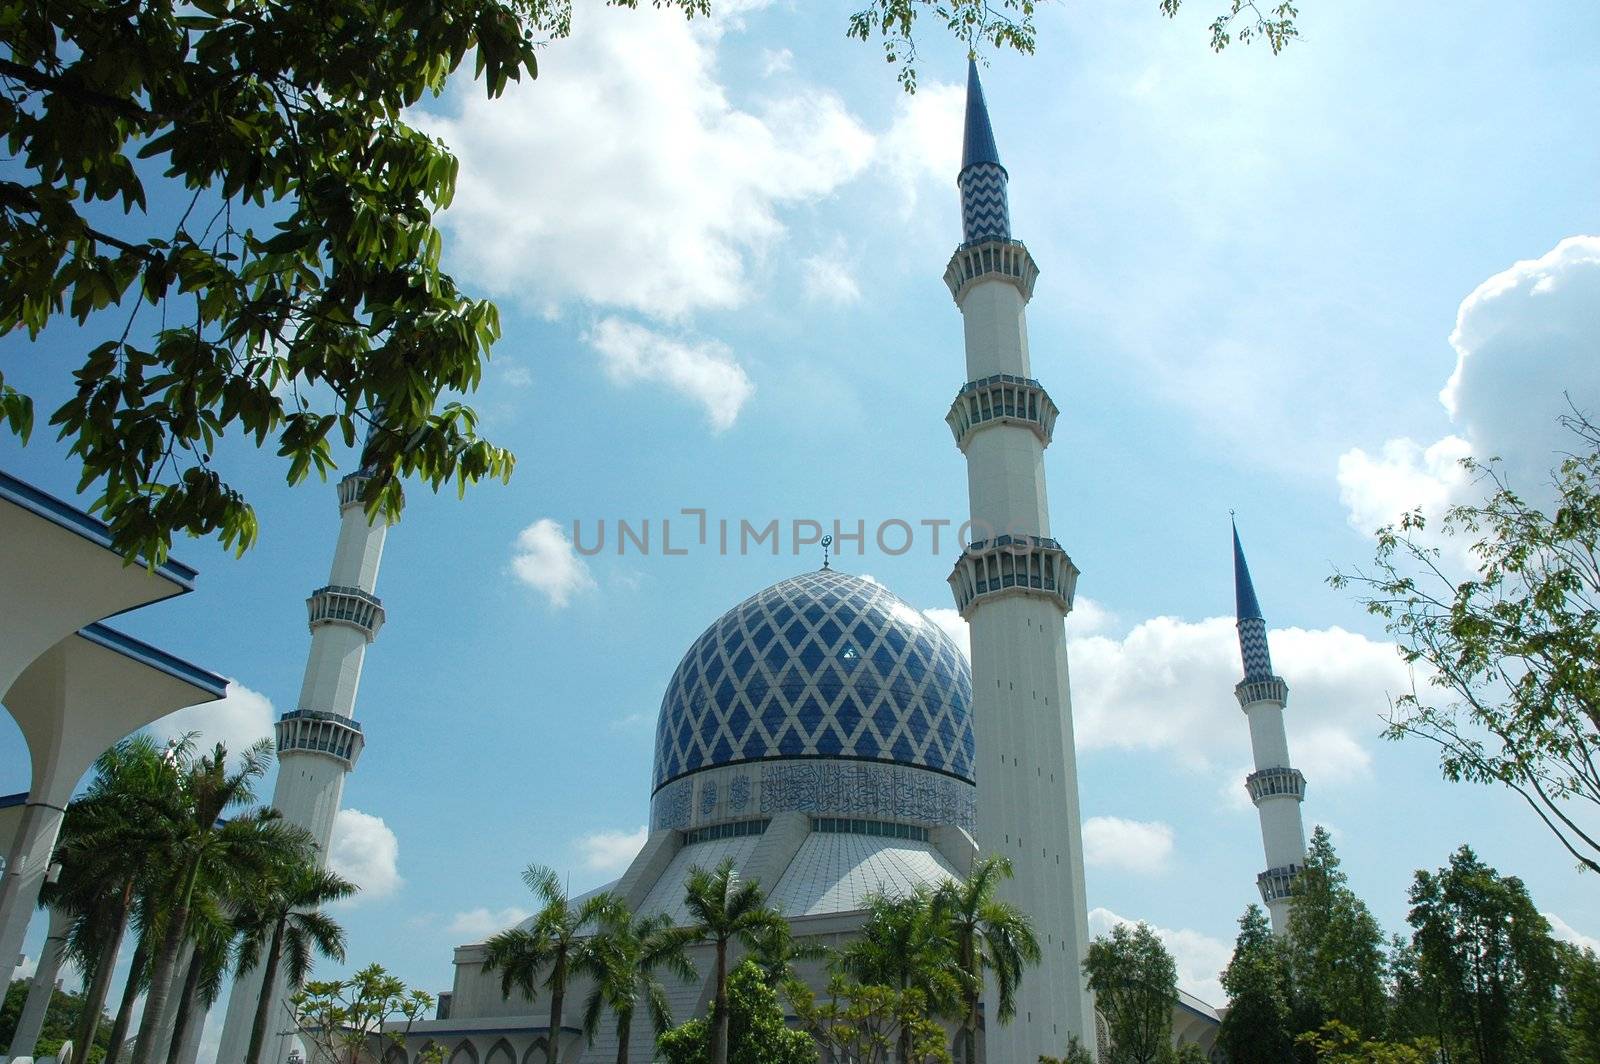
1298,287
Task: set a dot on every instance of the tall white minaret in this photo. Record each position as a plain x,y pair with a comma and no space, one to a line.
319,742
1014,585
1276,787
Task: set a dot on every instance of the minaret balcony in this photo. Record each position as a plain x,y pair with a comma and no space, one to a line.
1277,883
1002,400
350,489
349,606
1276,783
314,731
1251,690
1013,565
981,260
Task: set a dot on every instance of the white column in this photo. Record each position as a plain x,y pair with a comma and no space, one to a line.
310,782
43,988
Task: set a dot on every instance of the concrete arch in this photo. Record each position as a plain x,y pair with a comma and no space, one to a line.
396,1055
501,1053
537,1051
466,1053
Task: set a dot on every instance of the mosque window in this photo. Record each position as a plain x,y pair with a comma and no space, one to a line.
734,829
878,828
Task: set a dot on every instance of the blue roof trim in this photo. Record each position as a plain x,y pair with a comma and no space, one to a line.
65,515
978,143
157,659
9,800
1244,592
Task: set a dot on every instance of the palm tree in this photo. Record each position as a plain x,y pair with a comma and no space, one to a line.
212,936
775,951
201,846
725,909
283,912
625,954
905,944
552,941
105,854
989,936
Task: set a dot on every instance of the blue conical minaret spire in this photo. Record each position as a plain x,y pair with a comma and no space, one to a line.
985,214
1252,626
1276,787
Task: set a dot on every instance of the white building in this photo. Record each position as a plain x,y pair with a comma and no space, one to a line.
833,743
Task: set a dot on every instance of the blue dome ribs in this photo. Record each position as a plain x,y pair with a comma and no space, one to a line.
818,665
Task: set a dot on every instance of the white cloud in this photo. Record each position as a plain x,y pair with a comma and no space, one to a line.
1138,846
365,851
625,176
238,719
923,144
611,851
545,560
779,61
1168,685
1524,339
475,925
828,277
705,372
1198,957
1567,933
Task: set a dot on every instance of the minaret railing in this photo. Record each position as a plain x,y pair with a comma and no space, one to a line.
350,490
1013,565
1276,883
1261,689
1276,783
349,606
318,732
984,259
1002,399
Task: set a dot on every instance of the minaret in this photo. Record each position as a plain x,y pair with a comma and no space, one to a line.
1275,786
1014,585
319,741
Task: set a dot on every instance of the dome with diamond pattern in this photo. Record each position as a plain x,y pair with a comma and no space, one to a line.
822,665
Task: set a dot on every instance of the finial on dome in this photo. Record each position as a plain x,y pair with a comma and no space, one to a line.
827,541
978,146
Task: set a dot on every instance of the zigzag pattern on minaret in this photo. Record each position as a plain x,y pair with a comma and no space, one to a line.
1253,648
985,214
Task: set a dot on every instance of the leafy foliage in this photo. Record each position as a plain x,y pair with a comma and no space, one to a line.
1486,963
1335,948
724,910
756,1031
1336,1043
1516,648
64,1016
872,1024
1076,1053
1255,1029
554,944
1244,21
345,1018
1135,983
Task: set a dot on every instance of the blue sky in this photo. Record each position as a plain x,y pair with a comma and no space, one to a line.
718,250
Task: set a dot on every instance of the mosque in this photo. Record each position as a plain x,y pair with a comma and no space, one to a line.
832,742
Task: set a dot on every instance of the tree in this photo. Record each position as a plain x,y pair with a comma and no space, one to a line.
1337,1043
345,1019
756,1031
201,848
988,936
1515,648
628,951
553,944
1487,954
871,1024
106,853
283,913
1335,948
1076,1054
775,950
1581,981
1135,984
63,1017
907,943
1255,1029
725,909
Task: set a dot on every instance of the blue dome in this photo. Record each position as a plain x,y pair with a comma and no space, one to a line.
820,665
